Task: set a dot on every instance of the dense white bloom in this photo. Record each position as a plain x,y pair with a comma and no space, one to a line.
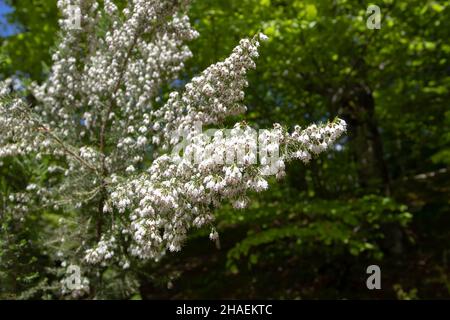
102,252
209,98
99,116
180,194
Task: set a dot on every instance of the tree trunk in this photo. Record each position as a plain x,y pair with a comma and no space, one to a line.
359,110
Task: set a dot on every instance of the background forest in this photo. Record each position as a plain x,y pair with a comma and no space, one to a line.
380,197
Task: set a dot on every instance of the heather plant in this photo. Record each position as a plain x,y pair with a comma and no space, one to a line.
101,124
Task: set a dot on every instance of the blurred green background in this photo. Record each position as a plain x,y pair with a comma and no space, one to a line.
380,197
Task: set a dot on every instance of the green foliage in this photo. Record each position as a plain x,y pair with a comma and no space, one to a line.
353,225
22,262
381,197
443,155
405,295
29,51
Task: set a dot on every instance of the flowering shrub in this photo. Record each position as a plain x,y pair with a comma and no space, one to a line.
100,118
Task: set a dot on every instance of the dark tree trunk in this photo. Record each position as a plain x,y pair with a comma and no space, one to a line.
359,110
367,102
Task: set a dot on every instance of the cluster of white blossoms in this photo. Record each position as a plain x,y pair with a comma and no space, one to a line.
208,98
99,114
181,191
104,87
102,252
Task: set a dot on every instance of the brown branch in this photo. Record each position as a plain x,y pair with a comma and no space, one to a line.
45,130
67,150
104,124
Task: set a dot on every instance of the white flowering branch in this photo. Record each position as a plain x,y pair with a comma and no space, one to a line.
98,111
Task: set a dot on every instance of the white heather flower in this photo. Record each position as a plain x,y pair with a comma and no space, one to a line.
263,37
260,184
214,235
130,169
240,203
106,208
141,141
